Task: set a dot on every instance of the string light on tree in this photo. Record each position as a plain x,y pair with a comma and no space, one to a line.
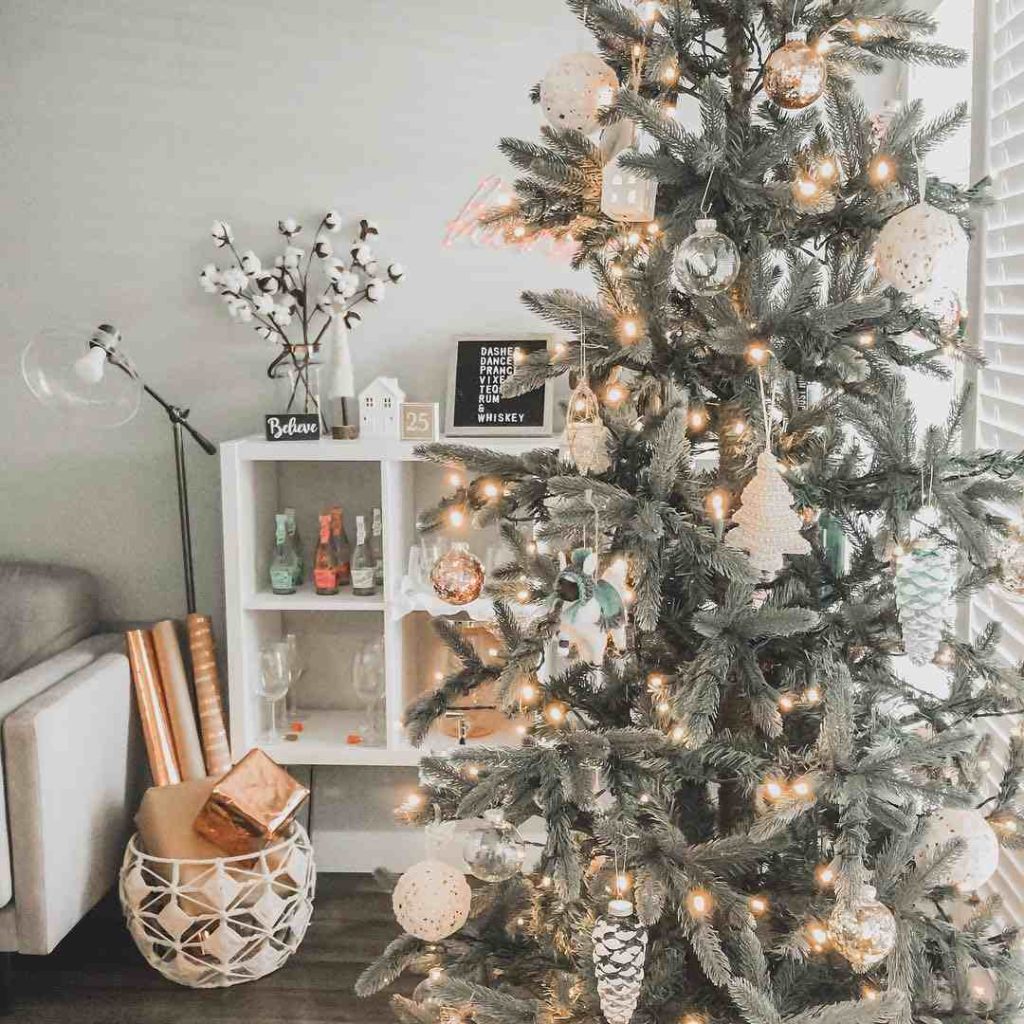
881,169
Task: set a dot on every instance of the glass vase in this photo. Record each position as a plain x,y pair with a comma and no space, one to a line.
297,388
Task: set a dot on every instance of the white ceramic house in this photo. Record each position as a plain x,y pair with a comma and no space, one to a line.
379,404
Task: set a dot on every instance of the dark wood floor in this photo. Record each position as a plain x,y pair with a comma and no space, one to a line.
96,976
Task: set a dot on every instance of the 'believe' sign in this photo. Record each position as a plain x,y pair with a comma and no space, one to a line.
293,426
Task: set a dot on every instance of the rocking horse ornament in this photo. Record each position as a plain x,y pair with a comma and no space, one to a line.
591,608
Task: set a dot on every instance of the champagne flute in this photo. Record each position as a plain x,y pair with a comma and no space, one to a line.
368,684
273,683
296,667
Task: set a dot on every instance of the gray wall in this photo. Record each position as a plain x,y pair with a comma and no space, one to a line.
128,126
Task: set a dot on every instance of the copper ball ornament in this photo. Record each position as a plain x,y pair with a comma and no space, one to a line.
794,75
458,575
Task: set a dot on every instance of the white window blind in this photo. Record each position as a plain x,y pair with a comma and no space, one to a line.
997,320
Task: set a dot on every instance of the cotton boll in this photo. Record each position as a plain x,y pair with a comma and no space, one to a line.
289,226
322,248
332,220
396,272
333,267
372,268
221,232
208,283
346,284
264,305
234,279
367,228
361,255
375,291
281,316
251,263
244,312
292,257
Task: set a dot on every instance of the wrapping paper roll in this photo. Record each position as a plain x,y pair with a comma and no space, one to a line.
174,683
211,711
156,729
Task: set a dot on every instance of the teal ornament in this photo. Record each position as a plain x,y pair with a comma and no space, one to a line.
592,608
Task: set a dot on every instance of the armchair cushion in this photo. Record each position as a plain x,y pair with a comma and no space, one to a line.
44,609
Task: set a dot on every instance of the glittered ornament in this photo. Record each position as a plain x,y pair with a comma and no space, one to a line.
620,949
458,575
863,930
575,89
1011,563
977,862
924,581
768,527
919,248
495,851
585,438
707,262
794,75
431,900
626,195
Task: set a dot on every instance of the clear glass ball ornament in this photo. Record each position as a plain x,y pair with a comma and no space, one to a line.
494,852
794,75
943,305
863,930
458,575
707,262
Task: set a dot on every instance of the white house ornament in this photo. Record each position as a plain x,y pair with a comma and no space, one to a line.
863,930
626,195
592,609
978,860
585,437
924,582
575,89
620,950
918,248
768,526
707,262
795,74
495,851
379,404
431,900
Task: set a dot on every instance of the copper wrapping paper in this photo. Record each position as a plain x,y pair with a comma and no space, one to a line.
251,806
179,701
211,711
156,729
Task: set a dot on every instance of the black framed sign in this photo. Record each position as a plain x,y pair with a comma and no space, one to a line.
293,426
480,365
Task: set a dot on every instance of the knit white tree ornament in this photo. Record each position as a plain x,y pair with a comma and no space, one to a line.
768,526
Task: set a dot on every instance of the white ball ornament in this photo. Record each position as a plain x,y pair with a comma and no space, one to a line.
916,247
575,89
978,861
431,900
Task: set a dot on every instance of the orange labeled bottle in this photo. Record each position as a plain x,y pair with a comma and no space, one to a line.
325,565
342,548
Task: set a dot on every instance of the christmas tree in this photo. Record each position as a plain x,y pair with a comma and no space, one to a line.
752,812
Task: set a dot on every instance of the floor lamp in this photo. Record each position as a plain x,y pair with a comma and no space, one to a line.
67,372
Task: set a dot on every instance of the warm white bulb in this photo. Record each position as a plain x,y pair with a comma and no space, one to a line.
89,368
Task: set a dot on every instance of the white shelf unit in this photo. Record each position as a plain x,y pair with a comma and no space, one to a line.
259,478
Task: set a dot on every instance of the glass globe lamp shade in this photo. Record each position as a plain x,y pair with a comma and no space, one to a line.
80,375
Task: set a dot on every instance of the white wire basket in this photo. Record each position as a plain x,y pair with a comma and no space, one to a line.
215,923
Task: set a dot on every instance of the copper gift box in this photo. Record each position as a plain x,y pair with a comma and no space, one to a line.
251,806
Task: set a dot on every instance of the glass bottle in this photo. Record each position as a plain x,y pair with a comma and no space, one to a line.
325,566
342,547
377,548
283,563
293,534
362,563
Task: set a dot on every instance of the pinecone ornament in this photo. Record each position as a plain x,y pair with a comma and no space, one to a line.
768,526
924,579
620,948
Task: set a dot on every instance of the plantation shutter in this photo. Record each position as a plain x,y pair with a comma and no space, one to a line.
997,322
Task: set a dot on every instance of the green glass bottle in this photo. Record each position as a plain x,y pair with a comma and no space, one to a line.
377,548
293,535
284,563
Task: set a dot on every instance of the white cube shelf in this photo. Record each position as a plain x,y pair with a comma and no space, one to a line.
259,478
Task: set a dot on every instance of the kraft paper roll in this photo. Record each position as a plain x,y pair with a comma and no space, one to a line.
156,729
211,711
174,683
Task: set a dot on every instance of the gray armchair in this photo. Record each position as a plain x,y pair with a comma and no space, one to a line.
72,763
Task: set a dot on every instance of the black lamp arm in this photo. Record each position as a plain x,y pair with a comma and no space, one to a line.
178,415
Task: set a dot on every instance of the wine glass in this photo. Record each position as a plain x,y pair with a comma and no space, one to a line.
296,666
368,685
273,683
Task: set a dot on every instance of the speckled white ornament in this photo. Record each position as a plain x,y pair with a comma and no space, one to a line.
980,857
431,900
575,89
916,246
